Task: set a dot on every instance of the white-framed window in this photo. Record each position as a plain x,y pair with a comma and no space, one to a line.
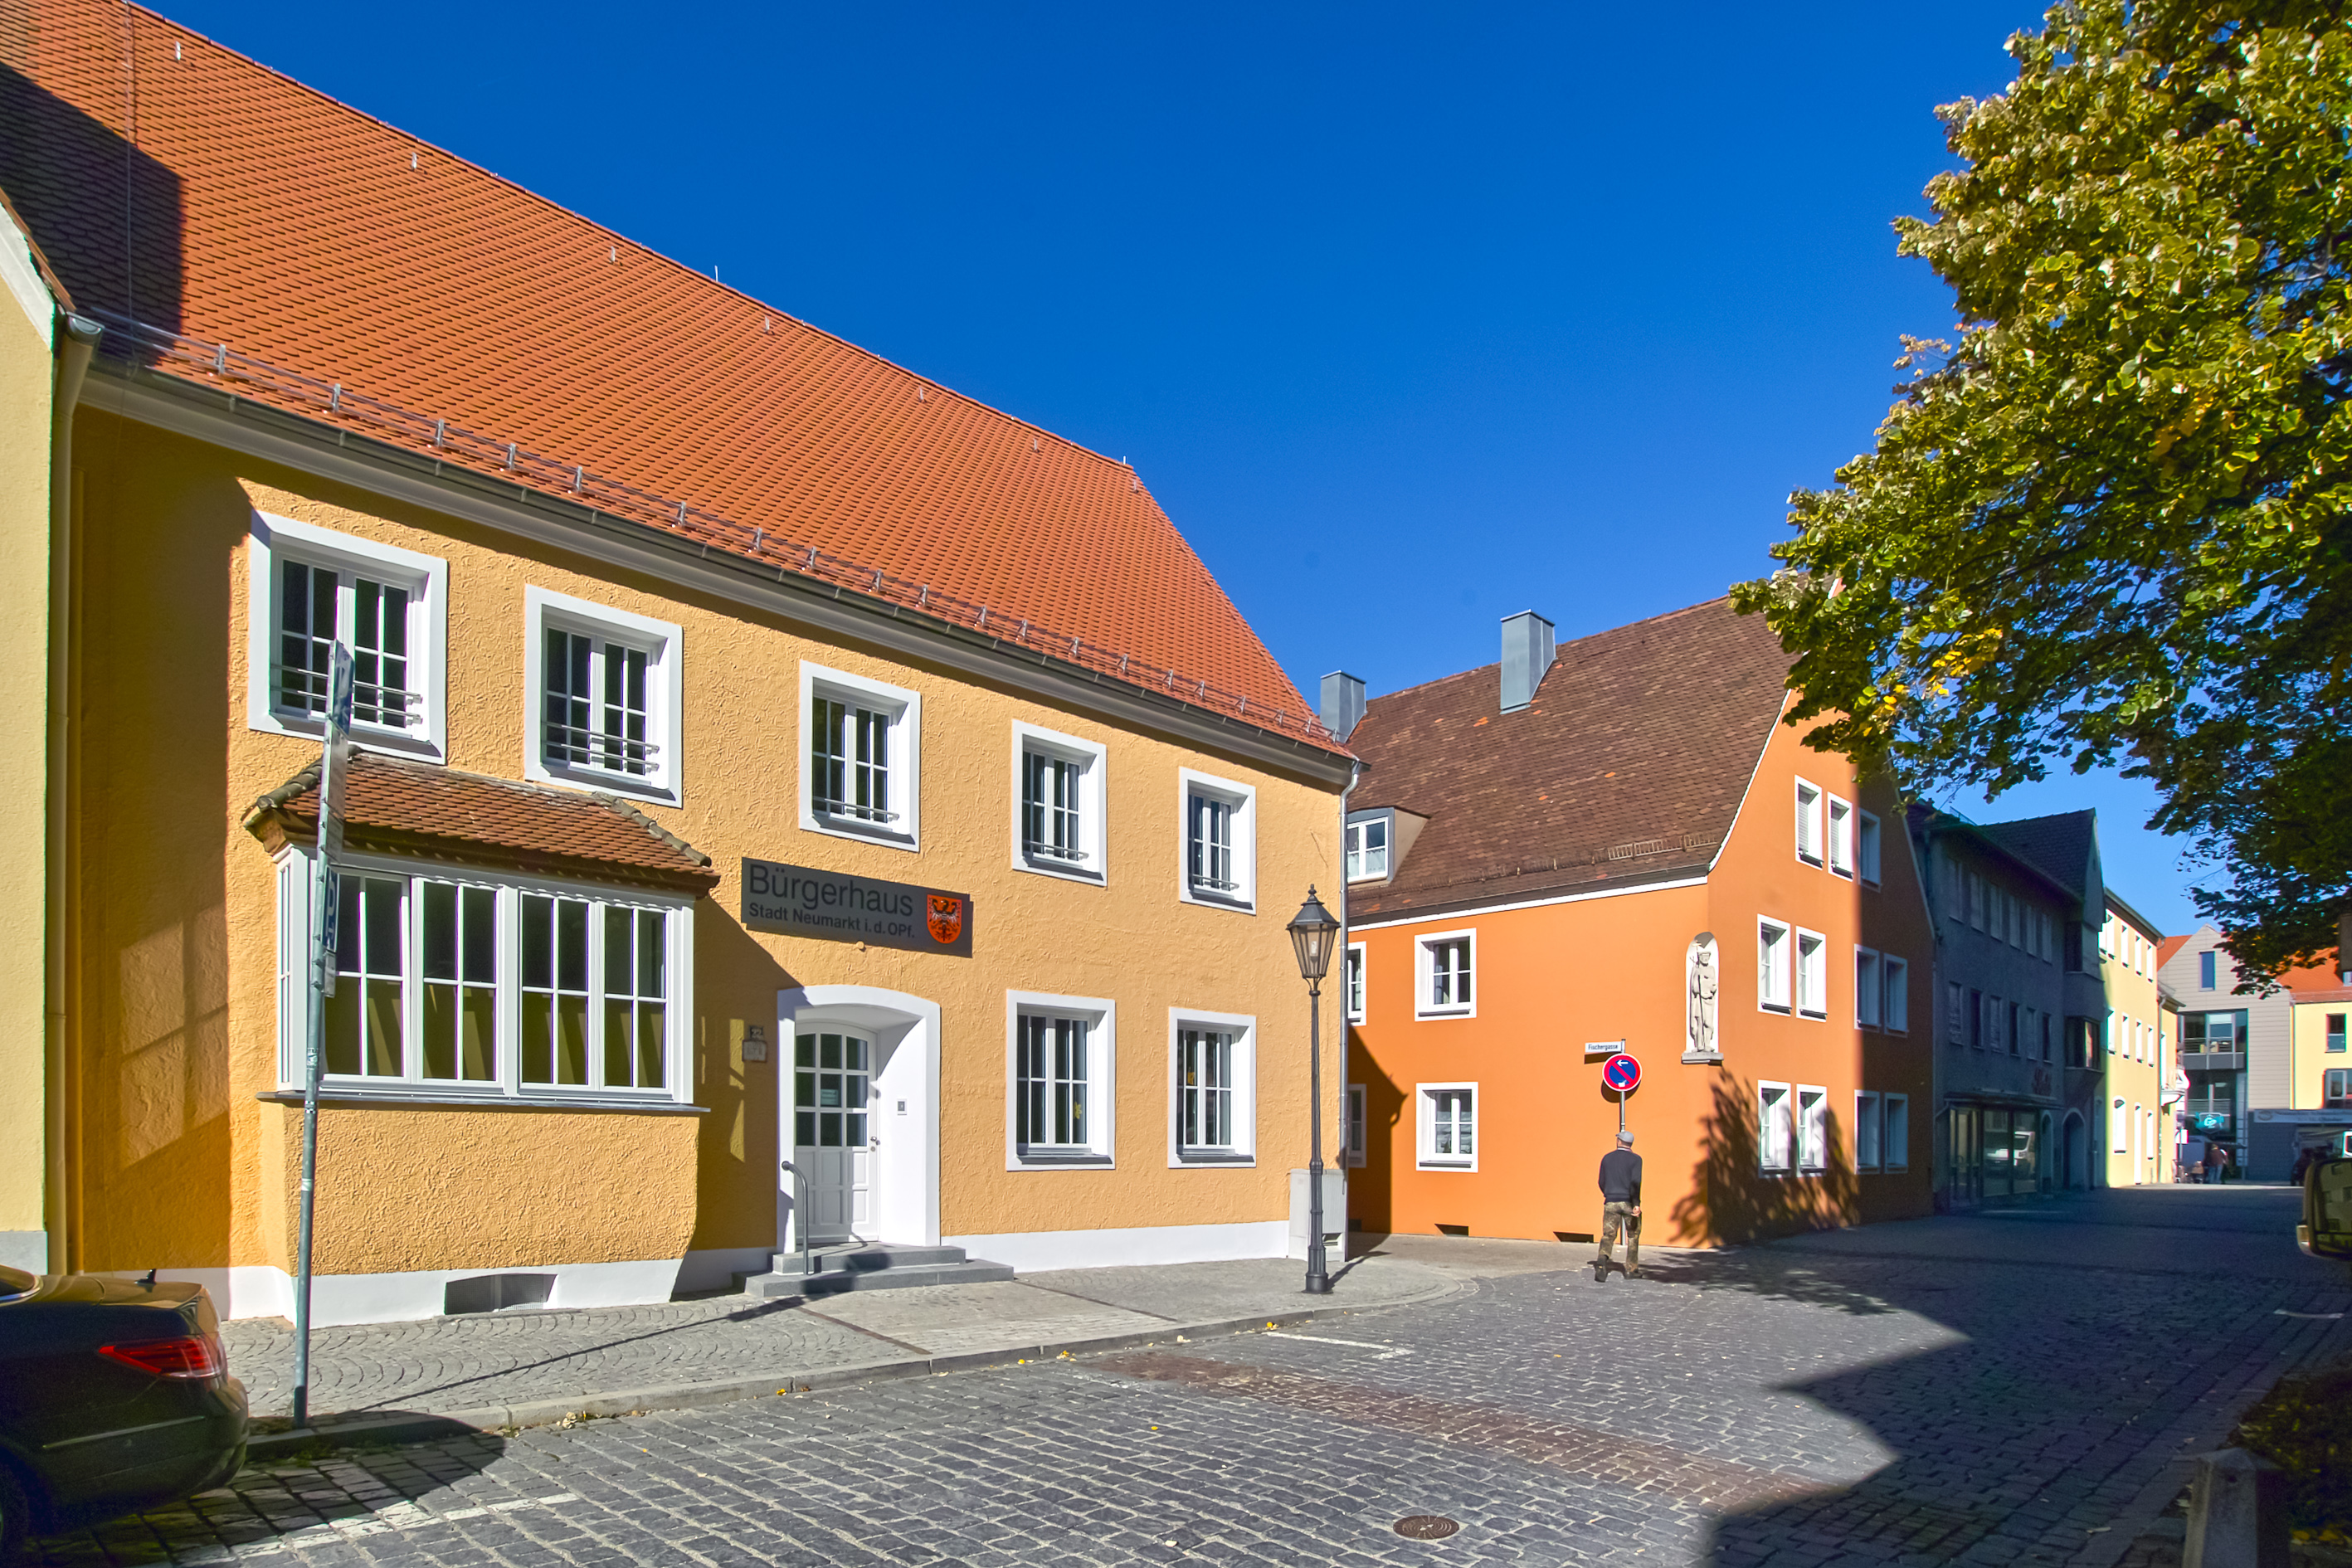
1352,982
1865,845
1446,1126
1993,1014
1894,1137
1840,837
1867,1125
1217,860
1809,823
861,758
1447,963
1955,1014
1775,1132
1368,849
1977,898
1812,974
1212,1088
1060,788
1813,1128
1894,1016
1359,1133
1060,1094
603,709
464,984
1773,948
2121,1127
1868,988
312,588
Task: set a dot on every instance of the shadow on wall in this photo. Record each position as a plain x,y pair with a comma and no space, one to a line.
107,216
740,1145
1731,1198
1372,1185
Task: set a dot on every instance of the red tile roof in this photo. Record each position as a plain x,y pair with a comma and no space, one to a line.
2313,977
2168,947
1629,766
395,806
319,260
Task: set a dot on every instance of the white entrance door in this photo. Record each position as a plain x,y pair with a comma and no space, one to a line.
832,1136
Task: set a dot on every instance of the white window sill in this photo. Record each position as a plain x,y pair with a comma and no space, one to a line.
635,786
1060,871
1818,1018
1238,902
1813,861
1051,1160
1433,1014
346,1095
1779,1007
382,738
1189,1158
850,827
1445,1165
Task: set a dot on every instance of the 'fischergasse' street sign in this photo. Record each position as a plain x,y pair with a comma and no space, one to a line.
800,901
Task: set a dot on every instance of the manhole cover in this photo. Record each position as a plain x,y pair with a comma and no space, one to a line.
1426,1527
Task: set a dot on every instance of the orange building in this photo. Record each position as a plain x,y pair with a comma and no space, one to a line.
1623,847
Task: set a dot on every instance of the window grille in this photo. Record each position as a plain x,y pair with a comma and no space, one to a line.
1205,1073
850,760
1050,1085
1212,845
310,602
1050,806
597,706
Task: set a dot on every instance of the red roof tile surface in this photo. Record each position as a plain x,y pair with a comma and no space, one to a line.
2170,945
1629,766
177,183
393,806
2322,976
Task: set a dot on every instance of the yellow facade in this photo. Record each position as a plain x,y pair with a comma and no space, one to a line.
175,1034
2138,1126
2317,1027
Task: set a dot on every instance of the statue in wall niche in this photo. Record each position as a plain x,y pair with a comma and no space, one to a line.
1700,984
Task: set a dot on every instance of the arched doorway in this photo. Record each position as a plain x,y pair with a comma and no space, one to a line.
2076,1154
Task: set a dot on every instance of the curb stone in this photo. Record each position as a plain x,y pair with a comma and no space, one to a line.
428,1427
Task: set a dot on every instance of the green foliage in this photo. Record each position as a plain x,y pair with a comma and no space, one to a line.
2304,1426
2107,522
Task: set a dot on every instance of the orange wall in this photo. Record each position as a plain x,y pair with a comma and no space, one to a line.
1553,977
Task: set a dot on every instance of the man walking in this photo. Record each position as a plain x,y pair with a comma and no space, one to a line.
1621,1205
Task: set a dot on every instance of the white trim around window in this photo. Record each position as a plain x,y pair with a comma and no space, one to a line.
1895,1138
284,689
1813,1125
624,729
1354,1130
1775,1128
1869,988
1211,1089
462,986
1896,1017
1059,797
1840,837
1355,981
1060,1082
1809,822
1446,971
1812,958
1775,946
873,735
1445,1126
1867,846
1216,842
1868,1125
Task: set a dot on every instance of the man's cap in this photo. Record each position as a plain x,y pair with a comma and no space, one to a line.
1624,1135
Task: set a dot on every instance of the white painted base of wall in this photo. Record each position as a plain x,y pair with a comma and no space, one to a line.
714,1268
1029,1252
26,1249
268,1293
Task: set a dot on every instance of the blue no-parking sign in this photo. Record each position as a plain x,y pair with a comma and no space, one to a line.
1622,1073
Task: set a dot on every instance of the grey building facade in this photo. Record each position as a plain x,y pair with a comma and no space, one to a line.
2234,1048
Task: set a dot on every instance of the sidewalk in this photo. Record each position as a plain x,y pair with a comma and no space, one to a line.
524,1367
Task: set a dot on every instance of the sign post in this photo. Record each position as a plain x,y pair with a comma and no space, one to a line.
1624,1074
326,905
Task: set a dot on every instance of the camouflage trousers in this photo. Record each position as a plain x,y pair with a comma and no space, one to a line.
1613,1216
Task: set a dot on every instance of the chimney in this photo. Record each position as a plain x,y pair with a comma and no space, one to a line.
1343,703
1526,654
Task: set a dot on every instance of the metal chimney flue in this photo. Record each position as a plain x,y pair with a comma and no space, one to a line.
1342,708
1527,649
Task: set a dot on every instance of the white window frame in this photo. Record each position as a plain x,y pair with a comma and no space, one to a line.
1093,760
1868,1132
1839,840
1353,853
270,542
903,780
1356,1126
1243,799
1812,974
1895,1132
1424,1099
1895,1010
1869,988
1424,975
1355,983
663,646
1775,989
297,867
1868,846
1808,825
1242,1149
1812,1129
1100,1014
1776,1150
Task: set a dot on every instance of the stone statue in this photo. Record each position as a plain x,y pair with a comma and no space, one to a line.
1701,982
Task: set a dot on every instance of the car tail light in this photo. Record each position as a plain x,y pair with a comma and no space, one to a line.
190,1356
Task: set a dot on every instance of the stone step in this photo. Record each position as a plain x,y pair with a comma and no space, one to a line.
864,1256
836,1281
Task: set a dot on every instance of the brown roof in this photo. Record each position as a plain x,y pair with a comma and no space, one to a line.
259,238
394,806
2061,846
1629,766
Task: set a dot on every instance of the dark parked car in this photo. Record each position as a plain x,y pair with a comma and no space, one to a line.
114,1396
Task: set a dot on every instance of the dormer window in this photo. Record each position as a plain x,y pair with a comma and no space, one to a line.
1368,849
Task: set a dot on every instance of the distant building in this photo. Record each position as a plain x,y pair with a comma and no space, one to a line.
2234,1048
2318,1113
2139,1138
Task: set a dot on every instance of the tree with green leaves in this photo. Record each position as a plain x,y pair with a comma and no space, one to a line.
2107,521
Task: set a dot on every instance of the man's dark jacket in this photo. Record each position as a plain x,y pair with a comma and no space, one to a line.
1621,1177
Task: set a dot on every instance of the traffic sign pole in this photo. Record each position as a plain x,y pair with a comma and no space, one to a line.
1624,1074
326,905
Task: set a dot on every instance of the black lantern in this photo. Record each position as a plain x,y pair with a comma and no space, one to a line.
1312,932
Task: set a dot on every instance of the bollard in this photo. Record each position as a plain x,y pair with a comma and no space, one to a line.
2237,1512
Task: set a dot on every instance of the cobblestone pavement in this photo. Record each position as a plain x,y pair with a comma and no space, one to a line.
1817,1402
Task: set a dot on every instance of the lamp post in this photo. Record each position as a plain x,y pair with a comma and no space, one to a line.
1312,932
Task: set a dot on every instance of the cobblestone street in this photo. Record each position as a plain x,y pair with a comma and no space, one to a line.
1993,1390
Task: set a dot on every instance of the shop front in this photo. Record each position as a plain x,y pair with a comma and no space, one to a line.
1996,1153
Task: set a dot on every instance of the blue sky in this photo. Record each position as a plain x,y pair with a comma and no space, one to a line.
1412,317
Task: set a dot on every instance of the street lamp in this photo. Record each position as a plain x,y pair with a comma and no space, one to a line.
1312,932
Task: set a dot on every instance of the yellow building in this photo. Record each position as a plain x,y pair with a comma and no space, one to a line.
2319,1062
793,795
2140,1134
